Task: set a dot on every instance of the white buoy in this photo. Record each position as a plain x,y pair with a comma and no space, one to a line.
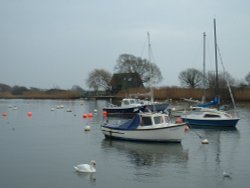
87,128
204,141
68,110
226,175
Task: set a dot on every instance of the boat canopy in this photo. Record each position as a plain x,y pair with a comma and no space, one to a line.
129,125
211,103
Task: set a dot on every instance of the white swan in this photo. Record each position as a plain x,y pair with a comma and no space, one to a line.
86,167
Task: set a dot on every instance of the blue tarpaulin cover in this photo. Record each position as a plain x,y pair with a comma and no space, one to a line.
212,103
129,125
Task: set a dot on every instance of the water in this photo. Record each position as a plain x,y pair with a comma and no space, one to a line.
40,151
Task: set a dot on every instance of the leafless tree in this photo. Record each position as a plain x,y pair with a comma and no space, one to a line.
99,79
248,78
223,78
149,72
191,78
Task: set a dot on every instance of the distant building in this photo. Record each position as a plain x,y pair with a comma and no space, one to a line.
123,81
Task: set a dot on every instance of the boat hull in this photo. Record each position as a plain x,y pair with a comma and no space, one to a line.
112,111
211,122
173,133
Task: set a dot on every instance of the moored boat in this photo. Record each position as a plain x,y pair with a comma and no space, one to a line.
153,127
128,107
206,117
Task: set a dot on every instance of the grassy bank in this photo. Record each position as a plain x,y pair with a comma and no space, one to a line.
164,93
174,93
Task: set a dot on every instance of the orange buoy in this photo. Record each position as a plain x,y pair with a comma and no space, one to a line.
90,115
84,115
105,113
29,114
4,114
178,120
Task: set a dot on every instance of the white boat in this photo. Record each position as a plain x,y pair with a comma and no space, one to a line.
154,127
201,116
129,106
207,117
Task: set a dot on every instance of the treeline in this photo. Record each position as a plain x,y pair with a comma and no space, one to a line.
163,93
241,94
9,92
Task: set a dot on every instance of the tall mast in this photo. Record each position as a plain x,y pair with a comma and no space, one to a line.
204,67
216,61
149,59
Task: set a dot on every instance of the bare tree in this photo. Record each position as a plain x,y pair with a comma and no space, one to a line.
99,79
149,72
77,88
223,78
247,78
191,78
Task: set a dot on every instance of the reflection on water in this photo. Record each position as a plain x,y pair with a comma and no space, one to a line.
43,150
148,154
87,176
217,156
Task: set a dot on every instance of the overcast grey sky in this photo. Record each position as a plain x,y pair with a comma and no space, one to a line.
56,43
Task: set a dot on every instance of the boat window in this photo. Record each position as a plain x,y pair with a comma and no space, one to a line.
211,116
146,121
158,120
126,102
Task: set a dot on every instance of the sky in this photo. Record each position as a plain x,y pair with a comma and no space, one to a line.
57,43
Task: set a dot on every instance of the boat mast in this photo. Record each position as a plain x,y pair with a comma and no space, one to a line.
204,67
216,61
151,72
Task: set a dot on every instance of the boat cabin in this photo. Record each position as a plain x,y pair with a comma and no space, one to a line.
130,102
149,120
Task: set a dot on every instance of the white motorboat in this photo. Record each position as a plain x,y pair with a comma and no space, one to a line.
129,106
154,127
201,117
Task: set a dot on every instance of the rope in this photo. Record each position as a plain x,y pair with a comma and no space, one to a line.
227,80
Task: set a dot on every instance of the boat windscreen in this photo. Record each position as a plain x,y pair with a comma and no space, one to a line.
129,125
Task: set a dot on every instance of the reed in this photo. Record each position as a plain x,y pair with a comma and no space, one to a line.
160,94
176,93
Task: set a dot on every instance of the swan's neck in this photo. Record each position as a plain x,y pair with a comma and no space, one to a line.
92,168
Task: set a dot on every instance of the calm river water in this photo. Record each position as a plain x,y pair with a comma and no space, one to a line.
40,151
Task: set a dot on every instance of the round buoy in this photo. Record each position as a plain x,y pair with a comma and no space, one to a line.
205,141
4,114
29,114
84,115
178,120
87,128
105,113
90,115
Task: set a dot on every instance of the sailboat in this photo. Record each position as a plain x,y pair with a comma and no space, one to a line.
131,106
152,105
201,116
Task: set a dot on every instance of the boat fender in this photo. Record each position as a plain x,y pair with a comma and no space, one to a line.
178,120
186,129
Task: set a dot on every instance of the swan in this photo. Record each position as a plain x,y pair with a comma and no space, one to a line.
86,167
